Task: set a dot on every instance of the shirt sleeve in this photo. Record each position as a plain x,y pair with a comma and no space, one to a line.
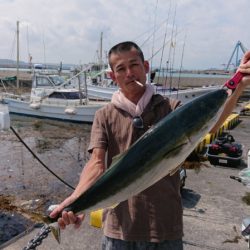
174,103
98,137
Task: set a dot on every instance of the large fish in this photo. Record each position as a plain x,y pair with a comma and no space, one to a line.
154,155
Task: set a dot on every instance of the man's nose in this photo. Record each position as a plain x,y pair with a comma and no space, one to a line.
129,72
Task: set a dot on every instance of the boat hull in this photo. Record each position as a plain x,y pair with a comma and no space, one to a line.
81,113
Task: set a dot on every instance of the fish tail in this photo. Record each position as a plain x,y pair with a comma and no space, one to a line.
55,229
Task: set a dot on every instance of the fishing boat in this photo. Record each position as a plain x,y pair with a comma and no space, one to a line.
53,97
101,87
101,92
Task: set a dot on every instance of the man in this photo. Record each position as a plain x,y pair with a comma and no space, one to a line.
153,218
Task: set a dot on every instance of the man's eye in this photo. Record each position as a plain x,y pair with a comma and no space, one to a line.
134,64
119,69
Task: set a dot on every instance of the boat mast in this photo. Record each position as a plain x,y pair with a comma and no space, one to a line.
101,50
17,59
101,62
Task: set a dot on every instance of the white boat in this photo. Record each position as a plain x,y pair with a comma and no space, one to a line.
105,93
51,98
185,95
101,87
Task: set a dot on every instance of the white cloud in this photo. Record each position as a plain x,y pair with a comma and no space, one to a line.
70,30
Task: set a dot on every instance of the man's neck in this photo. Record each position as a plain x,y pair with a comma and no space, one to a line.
134,97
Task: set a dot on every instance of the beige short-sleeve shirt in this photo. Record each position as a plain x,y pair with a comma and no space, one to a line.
155,214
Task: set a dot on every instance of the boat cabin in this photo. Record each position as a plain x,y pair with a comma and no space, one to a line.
49,81
53,87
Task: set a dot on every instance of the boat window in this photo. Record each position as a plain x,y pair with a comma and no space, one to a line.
67,95
57,80
42,81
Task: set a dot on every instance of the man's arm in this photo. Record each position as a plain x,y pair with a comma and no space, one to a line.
233,97
91,172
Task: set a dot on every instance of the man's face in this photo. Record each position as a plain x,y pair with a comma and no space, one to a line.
127,68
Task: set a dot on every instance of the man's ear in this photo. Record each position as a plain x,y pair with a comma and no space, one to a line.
146,66
112,75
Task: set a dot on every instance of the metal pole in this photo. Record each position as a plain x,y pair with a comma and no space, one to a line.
101,50
101,61
17,59
79,87
248,159
86,88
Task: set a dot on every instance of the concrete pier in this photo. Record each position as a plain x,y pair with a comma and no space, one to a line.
213,210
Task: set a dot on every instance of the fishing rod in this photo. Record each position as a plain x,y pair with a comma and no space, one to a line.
168,41
172,65
150,36
182,56
164,40
153,43
171,45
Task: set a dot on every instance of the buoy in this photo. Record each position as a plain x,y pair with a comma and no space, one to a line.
70,111
35,105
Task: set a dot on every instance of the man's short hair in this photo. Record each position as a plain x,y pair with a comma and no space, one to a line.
124,47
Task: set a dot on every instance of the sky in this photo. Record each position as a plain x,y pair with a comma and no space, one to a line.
182,34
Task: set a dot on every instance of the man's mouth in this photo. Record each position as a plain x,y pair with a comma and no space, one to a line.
138,83
135,82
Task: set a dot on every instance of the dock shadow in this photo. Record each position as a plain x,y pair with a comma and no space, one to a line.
189,198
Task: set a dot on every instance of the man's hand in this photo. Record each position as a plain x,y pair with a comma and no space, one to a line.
244,67
93,169
67,217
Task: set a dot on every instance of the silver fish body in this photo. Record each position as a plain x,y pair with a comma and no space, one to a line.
156,154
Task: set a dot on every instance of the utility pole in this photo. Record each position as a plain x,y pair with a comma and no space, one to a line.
17,54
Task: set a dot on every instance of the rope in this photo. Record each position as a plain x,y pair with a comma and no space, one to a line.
21,140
